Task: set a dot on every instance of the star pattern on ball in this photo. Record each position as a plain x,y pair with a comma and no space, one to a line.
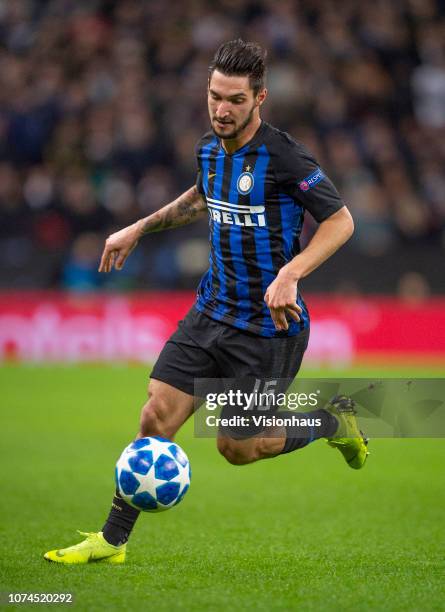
153,474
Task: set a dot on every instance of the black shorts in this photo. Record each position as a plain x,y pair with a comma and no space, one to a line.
203,348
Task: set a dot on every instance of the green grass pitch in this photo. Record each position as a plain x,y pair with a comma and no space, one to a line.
299,532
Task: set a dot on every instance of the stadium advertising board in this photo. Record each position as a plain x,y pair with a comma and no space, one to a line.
63,327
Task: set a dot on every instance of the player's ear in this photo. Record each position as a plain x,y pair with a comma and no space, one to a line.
261,96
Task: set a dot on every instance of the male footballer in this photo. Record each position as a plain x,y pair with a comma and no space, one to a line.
254,184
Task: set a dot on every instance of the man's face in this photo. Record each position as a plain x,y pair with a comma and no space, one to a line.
232,104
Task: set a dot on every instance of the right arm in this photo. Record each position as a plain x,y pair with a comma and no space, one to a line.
188,207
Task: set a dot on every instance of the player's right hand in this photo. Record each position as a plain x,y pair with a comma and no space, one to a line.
118,247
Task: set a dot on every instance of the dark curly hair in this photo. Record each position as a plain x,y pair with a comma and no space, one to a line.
240,58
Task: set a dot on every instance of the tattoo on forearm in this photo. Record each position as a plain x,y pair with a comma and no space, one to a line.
181,211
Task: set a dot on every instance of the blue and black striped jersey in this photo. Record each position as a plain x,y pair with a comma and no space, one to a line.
256,199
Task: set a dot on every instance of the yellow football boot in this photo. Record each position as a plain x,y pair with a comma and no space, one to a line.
348,438
93,549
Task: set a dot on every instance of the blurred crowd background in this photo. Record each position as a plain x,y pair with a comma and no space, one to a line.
102,102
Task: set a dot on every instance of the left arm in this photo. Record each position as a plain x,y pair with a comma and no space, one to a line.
331,234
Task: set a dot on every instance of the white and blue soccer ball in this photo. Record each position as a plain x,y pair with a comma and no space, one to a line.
153,474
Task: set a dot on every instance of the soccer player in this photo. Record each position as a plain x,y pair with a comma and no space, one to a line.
254,184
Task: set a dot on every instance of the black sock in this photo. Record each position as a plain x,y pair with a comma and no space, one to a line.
120,521
299,436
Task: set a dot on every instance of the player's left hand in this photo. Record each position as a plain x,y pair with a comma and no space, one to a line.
281,299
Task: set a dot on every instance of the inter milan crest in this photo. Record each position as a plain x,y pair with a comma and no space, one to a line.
245,183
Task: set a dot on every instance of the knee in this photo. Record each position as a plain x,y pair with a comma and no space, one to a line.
236,452
154,417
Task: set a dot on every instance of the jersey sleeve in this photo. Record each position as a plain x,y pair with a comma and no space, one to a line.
199,184
300,177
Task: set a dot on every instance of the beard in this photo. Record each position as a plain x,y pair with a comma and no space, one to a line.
237,129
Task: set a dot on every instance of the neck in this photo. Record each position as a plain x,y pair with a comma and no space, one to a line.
230,146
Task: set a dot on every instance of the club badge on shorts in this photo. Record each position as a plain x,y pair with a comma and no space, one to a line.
245,183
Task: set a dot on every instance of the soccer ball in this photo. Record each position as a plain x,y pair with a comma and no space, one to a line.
153,474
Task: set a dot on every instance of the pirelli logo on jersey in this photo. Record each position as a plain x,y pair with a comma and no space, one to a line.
236,214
